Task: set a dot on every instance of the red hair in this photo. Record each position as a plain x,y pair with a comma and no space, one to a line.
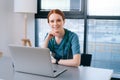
57,11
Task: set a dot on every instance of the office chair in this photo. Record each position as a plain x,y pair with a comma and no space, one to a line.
86,59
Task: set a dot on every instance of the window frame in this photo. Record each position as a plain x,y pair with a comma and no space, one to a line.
68,14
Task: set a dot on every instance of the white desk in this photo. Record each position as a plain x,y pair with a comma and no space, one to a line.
80,73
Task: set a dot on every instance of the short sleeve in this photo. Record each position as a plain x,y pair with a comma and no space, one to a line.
75,44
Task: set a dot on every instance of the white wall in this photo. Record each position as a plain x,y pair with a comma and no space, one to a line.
12,26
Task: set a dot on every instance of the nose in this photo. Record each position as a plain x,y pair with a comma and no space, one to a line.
55,22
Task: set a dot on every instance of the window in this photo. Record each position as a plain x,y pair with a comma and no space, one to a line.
72,9
64,5
104,43
104,7
103,34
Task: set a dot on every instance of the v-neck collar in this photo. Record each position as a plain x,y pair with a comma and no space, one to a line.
63,41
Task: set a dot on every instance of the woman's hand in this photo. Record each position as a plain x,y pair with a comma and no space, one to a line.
53,60
50,35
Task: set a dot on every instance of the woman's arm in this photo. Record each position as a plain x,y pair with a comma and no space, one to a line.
45,43
76,53
48,37
71,62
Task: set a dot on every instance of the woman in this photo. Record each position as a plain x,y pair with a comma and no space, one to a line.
63,43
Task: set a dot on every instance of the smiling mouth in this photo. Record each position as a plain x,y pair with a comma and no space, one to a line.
56,31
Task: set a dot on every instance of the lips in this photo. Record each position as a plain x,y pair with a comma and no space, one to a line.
56,30
56,33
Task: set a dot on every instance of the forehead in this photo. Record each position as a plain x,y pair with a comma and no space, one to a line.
55,16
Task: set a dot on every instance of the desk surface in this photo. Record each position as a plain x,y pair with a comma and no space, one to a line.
80,73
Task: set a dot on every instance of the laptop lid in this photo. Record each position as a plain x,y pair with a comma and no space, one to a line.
34,60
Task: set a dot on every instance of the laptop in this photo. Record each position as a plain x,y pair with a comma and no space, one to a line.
34,60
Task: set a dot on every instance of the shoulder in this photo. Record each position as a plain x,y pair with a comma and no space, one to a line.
70,33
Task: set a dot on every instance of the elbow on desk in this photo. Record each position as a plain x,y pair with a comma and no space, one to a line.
76,63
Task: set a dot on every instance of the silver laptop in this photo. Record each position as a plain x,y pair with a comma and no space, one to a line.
34,60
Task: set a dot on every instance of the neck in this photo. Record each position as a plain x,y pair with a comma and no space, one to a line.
62,33
59,38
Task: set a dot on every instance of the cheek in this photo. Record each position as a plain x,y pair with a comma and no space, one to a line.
50,24
52,28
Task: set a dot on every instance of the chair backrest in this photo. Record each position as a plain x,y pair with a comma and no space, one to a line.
86,59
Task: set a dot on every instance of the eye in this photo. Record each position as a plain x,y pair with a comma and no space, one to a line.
52,21
58,20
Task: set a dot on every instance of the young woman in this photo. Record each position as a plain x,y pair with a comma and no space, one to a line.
63,43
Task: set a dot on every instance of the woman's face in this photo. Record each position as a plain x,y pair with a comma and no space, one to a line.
56,22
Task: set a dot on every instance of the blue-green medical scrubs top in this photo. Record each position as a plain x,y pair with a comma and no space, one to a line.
68,47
